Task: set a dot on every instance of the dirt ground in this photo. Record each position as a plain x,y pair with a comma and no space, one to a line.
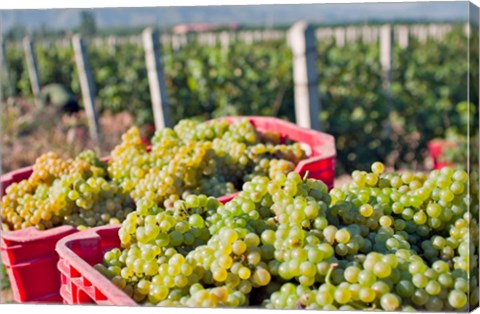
6,296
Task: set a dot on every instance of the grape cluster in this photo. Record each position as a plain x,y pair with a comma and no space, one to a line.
75,192
213,158
387,241
418,238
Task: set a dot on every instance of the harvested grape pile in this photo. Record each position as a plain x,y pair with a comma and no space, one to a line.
213,158
386,241
75,192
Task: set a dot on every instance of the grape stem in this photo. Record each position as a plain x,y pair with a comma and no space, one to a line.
184,209
305,176
329,273
360,306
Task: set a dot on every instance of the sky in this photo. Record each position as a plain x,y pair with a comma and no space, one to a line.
248,14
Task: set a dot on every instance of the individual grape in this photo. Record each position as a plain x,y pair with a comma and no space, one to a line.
433,287
405,289
366,294
329,233
342,295
261,277
457,299
381,287
445,280
417,267
351,274
342,236
378,168
382,270
434,304
244,273
324,298
366,210
390,302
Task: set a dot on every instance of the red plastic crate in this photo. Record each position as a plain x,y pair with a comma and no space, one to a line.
15,176
29,255
436,149
80,282
30,259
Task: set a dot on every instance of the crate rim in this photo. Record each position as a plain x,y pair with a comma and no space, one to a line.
105,286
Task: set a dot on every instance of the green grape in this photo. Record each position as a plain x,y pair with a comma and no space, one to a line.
457,299
342,295
420,297
433,287
404,288
382,270
377,168
390,302
342,236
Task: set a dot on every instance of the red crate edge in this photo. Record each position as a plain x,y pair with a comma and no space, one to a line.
71,250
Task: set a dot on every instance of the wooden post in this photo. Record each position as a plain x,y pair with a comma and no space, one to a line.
206,39
432,31
112,43
213,40
156,81
249,37
447,29
225,41
175,43
403,36
386,40
365,33
258,36
32,70
301,38
340,36
422,33
350,34
87,85
466,29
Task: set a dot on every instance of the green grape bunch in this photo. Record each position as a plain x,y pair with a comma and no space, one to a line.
76,192
213,158
386,241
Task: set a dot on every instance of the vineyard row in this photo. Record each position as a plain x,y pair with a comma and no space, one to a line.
341,35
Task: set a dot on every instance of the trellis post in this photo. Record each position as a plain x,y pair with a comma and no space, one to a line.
156,80
301,38
32,70
87,85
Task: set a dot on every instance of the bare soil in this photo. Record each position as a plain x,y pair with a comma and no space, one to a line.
6,296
